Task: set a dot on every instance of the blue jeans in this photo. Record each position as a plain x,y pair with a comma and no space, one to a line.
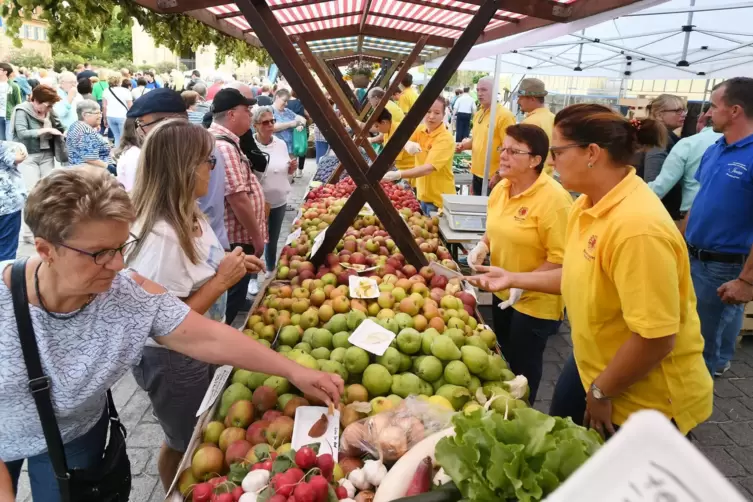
569,399
428,208
720,322
10,227
276,215
116,126
5,132
321,149
82,453
462,126
522,339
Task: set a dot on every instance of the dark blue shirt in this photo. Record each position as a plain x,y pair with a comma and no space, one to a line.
721,218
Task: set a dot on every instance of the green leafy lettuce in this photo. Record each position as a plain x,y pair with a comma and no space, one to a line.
525,458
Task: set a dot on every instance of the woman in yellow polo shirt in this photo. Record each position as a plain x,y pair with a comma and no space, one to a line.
387,125
433,171
525,231
625,280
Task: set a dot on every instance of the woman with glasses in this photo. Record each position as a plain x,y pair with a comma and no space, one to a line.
178,250
85,144
92,319
625,280
275,180
669,111
525,232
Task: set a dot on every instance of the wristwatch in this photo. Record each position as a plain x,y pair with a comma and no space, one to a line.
597,393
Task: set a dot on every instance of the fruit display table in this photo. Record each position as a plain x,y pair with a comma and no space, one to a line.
457,241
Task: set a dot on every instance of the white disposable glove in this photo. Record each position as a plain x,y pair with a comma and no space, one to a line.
301,120
477,255
412,147
515,295
392,176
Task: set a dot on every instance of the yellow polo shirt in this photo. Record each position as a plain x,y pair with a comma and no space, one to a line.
395,111
480,139
626,270
437,149
407,98
543,118
525,231
404,159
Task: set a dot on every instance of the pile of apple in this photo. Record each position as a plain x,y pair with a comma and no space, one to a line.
400,197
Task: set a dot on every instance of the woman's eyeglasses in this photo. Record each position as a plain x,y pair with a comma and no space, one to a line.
105,256
268,122
212,161
512,151
677,110
556,150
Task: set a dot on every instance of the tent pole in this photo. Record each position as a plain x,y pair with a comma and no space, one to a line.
492,121
705,93
684,58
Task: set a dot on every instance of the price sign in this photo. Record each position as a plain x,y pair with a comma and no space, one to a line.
318,241
216,386
293,236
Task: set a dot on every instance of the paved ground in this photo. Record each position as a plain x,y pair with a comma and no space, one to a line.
726,439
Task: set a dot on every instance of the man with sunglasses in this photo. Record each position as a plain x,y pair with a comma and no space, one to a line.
245,218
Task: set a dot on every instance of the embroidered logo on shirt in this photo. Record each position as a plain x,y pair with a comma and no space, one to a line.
522,213
736,170
589,252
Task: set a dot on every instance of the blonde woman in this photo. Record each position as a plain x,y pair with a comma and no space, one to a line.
178,250
669,111
116,101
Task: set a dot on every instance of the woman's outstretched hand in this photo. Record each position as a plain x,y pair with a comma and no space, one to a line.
491,279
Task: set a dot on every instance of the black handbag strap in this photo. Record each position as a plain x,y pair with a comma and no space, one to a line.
119,100
39,383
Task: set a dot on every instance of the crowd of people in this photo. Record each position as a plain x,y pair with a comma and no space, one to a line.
147,244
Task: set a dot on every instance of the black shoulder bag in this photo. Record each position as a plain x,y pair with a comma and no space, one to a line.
110,479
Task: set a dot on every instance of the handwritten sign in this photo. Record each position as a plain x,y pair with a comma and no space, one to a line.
318,241
293,236
216,386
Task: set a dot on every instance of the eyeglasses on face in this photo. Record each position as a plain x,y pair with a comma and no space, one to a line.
143,125
212,161
105,256
512,151
556,150
267,122
677,110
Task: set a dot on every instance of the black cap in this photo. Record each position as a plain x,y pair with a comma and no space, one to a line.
157,101
229,98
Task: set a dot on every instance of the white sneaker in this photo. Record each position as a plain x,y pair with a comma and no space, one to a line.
261,277
253,288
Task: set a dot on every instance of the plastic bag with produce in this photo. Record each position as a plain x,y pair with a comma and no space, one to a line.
390,434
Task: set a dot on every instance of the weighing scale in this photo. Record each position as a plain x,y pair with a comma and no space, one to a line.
465,213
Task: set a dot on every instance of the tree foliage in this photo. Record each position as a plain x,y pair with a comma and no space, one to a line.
28,58
90,21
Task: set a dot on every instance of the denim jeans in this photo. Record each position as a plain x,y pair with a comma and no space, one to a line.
116,126
720,322
5,132
428,208
82,453
10,230
276,215
236,295
462,126
321,149
569,399
522,339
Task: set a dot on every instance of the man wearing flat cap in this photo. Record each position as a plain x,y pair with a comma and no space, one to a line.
531,93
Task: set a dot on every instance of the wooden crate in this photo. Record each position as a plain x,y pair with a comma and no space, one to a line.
748,319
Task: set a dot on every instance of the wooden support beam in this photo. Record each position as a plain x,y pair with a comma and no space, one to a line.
344,87
266,26
392,89
406,128
336,93
362,23
541,9
228,15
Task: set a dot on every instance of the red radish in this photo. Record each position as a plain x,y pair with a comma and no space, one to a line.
305,458
256,466
217,481
224,497
237,492
305,492
295,474
327,464
267,465
421,482
277,498
283,484
341,492
202,492
321,487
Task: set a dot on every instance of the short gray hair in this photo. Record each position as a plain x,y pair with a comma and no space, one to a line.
261,110
86,106
200,89
487,80
67,76
282,93
376,93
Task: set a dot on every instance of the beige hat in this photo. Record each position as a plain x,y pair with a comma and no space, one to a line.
532,87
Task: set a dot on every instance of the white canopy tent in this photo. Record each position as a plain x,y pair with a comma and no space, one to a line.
653,39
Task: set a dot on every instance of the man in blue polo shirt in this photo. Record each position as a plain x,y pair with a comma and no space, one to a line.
720,223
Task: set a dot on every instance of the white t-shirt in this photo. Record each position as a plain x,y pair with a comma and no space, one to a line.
4,90
465,104
128,163
114,108
162,260
138,92
275,181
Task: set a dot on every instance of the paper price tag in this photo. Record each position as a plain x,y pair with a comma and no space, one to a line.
318,241
293,236
362,287
216,386
444,271
372,338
